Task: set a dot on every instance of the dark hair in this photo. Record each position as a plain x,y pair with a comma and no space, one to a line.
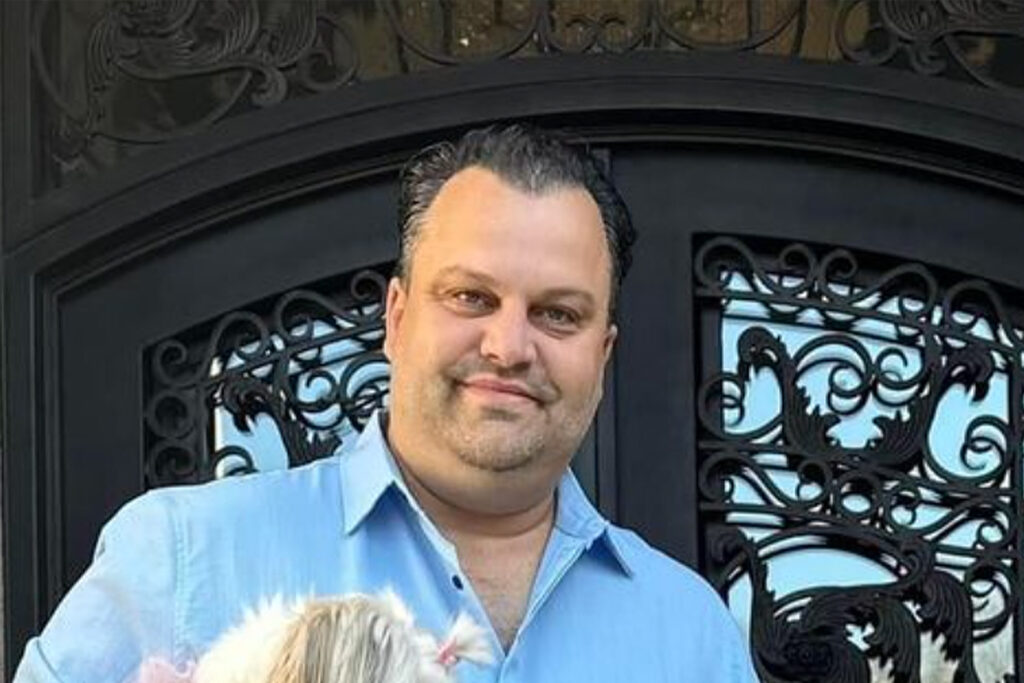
528,158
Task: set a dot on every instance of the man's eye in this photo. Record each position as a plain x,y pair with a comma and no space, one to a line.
559,317
470,298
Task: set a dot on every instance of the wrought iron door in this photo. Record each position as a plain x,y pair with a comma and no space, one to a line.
824,397
754,270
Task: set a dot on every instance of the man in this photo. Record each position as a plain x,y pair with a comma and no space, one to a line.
499,324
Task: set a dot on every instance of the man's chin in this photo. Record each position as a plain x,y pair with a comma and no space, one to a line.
497,463
503,446
473,416
501,415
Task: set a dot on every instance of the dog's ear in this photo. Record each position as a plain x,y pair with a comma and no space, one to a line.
292,662
395,607
247,652
327,643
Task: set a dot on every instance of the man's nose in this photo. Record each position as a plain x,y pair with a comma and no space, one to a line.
507,339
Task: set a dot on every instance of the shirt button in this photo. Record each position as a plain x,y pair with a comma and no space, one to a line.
456,581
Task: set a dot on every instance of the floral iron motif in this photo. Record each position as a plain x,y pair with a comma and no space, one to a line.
129,74
944,529
251,365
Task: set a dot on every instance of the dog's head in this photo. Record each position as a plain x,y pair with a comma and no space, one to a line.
351,639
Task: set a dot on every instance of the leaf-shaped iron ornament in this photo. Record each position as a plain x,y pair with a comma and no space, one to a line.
941,520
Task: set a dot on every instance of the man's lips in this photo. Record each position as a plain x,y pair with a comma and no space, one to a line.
498,386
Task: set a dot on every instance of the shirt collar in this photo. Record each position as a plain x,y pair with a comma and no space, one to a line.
576,516
369,470
366,472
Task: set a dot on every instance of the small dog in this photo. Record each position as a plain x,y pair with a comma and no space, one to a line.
352,639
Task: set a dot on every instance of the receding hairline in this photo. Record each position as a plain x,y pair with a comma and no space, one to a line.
548,189
551,187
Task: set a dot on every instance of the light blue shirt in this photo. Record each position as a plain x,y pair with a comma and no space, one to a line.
177,566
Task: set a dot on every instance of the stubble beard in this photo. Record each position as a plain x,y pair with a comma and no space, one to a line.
498,440
489,439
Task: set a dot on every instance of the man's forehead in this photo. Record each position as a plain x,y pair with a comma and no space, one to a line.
483,208
478,194
481,226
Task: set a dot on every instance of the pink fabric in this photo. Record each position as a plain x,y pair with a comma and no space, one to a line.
161,671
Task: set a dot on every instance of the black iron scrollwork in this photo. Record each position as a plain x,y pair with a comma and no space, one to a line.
540,27
935,36
309,362
944,527
128,74
253,53
235,54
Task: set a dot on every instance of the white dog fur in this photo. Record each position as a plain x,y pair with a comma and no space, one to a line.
352,639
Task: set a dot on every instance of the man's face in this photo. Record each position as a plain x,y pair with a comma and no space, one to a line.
499,337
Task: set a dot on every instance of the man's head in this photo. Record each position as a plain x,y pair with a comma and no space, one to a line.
530,160
499,323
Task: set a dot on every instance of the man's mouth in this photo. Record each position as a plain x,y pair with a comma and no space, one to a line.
499,389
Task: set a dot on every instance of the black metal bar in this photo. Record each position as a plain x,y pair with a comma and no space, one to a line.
23,507
1015,403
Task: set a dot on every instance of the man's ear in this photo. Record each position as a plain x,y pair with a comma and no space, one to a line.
394,308
610,335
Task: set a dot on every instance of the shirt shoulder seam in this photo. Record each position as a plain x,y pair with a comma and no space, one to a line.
178,545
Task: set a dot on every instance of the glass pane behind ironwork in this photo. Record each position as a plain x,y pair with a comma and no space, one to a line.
280,384
113,79
860,466
343,365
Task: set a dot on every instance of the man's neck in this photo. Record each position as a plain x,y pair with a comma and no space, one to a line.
500,553
458,522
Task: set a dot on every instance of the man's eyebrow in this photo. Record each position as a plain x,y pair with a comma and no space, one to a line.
455,271
462,271
587,299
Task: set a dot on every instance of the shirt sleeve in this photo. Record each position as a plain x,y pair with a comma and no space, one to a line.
122,610
733,654
742,664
